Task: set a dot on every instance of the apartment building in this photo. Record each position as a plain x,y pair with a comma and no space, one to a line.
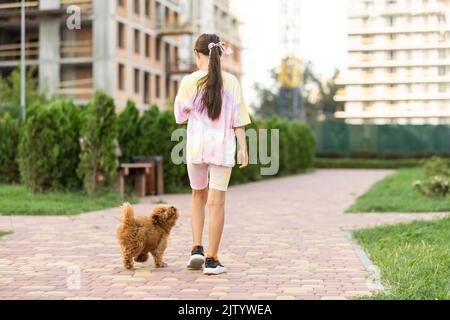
398,68
129,48
212,16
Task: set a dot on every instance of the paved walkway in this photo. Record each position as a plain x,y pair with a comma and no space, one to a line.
284,239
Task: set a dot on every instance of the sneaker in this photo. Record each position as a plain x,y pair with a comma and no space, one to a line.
197,258
213,267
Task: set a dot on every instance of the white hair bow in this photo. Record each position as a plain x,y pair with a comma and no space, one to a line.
225,50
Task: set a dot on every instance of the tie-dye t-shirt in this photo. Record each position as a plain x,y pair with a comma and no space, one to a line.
208,141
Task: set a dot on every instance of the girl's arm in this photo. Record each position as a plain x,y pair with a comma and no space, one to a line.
242,142
182,108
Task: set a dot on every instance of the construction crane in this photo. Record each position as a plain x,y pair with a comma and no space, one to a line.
291,76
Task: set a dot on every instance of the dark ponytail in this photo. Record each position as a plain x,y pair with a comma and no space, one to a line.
211,85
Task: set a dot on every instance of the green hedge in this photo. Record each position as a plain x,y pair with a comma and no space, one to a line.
296,153
129,131
98,159
156,129
49,147
349,163
9,141
335,138
50,156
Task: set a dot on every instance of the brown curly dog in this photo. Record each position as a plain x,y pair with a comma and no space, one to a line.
143,235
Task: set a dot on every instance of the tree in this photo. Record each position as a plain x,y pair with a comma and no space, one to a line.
318,95
327,90
99,162
9,141
10,92
49,147
129,131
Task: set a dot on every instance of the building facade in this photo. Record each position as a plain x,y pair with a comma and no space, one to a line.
398,62
132,49
212,16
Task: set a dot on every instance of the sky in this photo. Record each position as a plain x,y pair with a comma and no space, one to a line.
322,33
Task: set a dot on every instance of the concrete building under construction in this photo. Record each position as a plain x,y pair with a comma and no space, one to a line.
132,49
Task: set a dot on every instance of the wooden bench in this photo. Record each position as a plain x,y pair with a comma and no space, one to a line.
139,171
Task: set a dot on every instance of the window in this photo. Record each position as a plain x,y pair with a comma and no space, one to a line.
121,77
167,91
158,86
175,55
390,21
368,106
136,41
146,88
147,45
121,35
392,55
136,80
175,86
158,13
158,49
147,8
136,8
167,15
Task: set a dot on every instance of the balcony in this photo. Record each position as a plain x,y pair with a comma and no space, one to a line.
12,9
399,63
76,49
179,67
174,29
388,46
11,52
392,96
391,114
391,79
80,89
397,30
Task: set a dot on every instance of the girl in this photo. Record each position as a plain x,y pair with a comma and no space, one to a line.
210,102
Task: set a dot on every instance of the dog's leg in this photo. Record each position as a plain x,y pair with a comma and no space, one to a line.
143,257
128,260
159,252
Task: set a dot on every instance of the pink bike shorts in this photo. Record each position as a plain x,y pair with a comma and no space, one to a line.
219,176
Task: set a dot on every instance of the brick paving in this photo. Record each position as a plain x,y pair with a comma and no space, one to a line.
284,239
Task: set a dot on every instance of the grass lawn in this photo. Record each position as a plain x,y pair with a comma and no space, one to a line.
4,233
414,259
396,194
17,200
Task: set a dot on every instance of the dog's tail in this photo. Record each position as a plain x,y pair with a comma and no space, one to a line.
127,214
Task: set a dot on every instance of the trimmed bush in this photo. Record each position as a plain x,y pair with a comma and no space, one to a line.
49,147
437,182
252,172
9,141
99,133
156,133
129,132
296,149
148,141
350,163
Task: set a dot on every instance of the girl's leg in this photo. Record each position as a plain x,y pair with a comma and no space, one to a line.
219,180
199,198
216,206
198,176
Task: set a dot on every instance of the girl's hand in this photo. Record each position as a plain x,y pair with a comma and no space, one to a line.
243,159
